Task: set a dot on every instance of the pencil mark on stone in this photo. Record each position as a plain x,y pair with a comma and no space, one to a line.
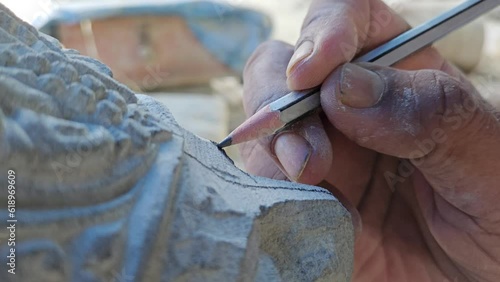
230,178
109,187
222,151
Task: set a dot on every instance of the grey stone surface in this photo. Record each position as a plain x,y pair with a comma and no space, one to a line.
110,188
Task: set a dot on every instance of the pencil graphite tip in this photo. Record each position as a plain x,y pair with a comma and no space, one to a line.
225,143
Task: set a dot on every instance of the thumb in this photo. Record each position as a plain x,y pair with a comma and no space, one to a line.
438,122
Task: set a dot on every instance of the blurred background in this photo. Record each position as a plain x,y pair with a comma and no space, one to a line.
190,55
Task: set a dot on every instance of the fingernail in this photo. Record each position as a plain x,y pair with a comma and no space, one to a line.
303,51
293,152
359,87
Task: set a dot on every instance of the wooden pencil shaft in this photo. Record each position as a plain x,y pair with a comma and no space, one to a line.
296,104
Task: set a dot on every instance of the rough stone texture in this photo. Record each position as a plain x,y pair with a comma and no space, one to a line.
110,188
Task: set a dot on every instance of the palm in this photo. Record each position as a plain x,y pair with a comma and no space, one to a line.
393,244
403,235
406,235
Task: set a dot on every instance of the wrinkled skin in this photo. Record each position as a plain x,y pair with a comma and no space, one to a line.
412,150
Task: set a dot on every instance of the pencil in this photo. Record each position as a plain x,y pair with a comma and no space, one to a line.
297,104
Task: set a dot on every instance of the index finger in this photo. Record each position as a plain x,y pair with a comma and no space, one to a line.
334,31
302,152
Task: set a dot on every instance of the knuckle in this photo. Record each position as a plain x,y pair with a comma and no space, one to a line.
454,90
269,45
261,52
264,75
451,91
316,17
446,108
437,94
321,15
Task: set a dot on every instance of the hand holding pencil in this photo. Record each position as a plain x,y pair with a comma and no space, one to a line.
412,149
295,105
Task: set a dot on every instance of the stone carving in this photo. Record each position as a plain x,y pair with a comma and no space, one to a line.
110,188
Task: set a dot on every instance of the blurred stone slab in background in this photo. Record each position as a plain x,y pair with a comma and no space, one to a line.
146,53
203,114
154,44
230,89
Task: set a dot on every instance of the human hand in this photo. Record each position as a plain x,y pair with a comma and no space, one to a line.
414,152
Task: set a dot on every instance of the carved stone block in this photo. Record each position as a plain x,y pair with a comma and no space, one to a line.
109,188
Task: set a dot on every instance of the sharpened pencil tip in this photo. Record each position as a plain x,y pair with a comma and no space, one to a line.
225,143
